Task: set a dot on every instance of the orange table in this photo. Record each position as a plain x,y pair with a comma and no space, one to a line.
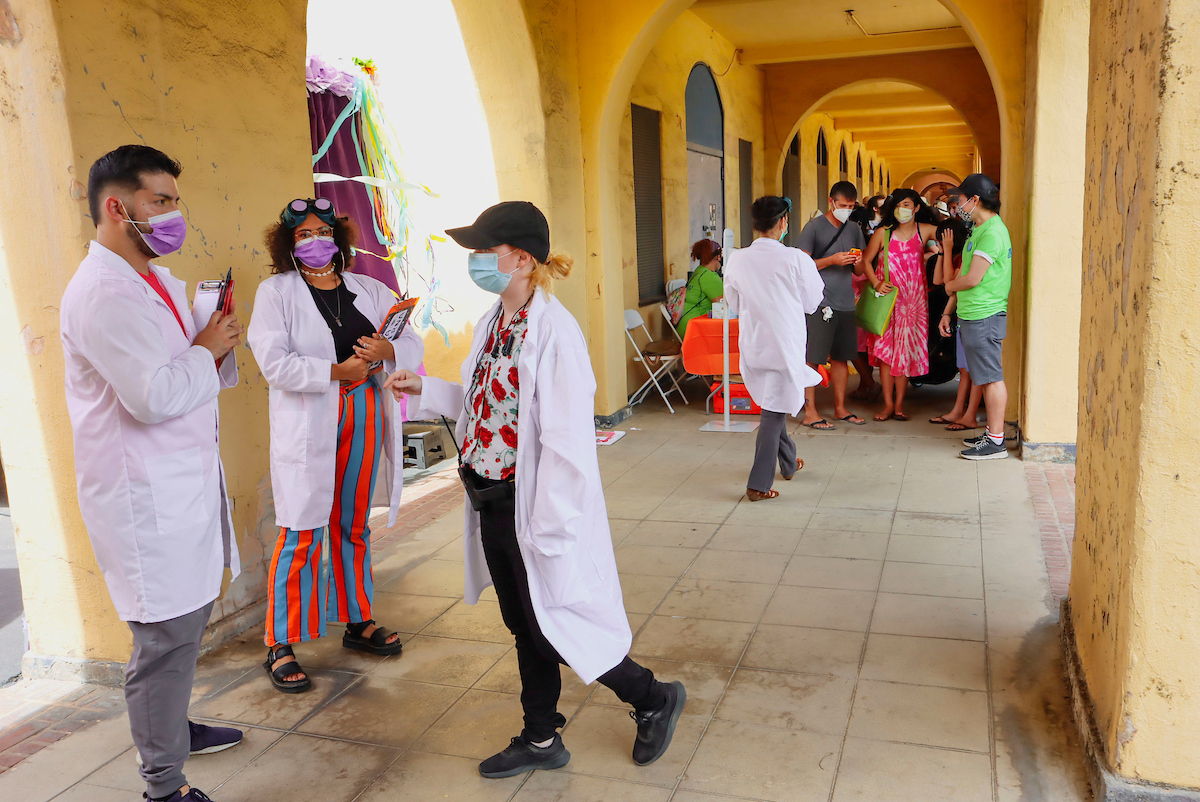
704,351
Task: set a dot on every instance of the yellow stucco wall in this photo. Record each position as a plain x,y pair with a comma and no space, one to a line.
221,89
1135,585
1055,121
660,85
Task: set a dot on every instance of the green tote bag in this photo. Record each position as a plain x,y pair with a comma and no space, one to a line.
873,312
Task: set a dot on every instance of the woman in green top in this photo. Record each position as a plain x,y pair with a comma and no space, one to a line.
705,285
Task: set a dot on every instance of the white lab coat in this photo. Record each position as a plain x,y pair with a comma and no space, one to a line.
143,407
294,350
561,519
771,287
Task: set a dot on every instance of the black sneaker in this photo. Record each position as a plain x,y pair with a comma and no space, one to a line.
206,740
522,756
974,441
193,795
655,727
985,449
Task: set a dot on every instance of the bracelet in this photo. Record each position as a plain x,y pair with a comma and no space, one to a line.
945,314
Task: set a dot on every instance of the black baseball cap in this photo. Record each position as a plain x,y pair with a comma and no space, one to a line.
516,223
978,184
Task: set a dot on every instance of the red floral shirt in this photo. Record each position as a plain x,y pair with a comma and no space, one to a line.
490,445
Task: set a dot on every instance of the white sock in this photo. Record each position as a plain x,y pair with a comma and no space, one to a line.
544,744
998,439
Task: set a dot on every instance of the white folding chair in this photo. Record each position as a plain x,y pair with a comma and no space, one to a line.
675,284
657,357
666,313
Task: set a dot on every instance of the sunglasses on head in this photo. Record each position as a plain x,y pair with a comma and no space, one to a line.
298,210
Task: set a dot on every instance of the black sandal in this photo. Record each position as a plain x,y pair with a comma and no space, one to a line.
376,644
277,674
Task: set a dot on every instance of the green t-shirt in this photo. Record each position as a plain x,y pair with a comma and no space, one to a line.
989,296
703,288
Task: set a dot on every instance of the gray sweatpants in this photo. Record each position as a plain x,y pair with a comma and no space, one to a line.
158,687
772,447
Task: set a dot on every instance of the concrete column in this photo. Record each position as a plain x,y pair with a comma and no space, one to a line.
1134,624
221,89
1056,101
67,606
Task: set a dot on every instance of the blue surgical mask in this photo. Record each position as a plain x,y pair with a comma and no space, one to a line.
484,269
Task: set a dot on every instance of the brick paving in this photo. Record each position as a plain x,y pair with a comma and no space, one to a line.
1052,489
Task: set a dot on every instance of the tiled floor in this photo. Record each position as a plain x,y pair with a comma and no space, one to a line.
885,630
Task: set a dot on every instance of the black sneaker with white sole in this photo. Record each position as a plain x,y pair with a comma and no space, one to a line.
655,727
985,449
974,441
522,756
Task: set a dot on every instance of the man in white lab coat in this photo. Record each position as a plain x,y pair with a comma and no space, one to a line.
772,287
141,387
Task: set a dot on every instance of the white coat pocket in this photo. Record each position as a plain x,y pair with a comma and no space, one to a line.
289,437
567,579
177,489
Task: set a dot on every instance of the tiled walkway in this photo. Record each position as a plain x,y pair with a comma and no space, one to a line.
885,630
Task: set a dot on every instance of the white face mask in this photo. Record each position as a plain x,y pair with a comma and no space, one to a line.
842,215
903,215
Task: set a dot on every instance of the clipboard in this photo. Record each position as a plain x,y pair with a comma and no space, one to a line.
395,321
211,296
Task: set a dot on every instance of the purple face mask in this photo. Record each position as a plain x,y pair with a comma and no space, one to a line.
167,232
316,251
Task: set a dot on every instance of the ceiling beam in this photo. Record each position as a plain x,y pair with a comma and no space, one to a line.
921,100
892,143
880,122
921,150
878,45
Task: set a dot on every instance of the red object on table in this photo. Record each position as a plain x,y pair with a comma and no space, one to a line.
703,351
740,402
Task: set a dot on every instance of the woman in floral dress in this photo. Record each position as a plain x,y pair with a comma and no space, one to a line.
903,348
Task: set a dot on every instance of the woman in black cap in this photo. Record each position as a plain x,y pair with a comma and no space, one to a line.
537,527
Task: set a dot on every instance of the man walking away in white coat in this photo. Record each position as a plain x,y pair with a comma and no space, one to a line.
772,287
141,386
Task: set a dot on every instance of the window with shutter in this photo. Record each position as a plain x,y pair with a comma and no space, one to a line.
647,204
746,189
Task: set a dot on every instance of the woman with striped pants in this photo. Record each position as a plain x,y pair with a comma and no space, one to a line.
336,449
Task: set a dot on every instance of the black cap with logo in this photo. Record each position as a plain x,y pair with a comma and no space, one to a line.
516,223
977,184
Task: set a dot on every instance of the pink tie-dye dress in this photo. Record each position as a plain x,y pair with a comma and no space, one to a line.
905,344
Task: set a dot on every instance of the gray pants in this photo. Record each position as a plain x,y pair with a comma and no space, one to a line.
772,447
158,688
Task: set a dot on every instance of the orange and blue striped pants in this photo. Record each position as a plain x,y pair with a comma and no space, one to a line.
299,598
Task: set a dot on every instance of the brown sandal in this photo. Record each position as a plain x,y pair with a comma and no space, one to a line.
758,495
799,467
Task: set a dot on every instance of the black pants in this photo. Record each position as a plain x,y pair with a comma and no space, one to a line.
538,661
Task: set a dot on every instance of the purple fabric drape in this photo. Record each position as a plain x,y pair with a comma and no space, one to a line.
349,197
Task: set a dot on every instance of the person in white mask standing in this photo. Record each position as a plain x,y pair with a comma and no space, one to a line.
536,524
836,245
141,387
771,288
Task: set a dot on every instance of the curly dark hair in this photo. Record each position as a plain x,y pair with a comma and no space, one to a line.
281,243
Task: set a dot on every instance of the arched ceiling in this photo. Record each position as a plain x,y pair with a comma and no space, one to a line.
777,31
911,127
